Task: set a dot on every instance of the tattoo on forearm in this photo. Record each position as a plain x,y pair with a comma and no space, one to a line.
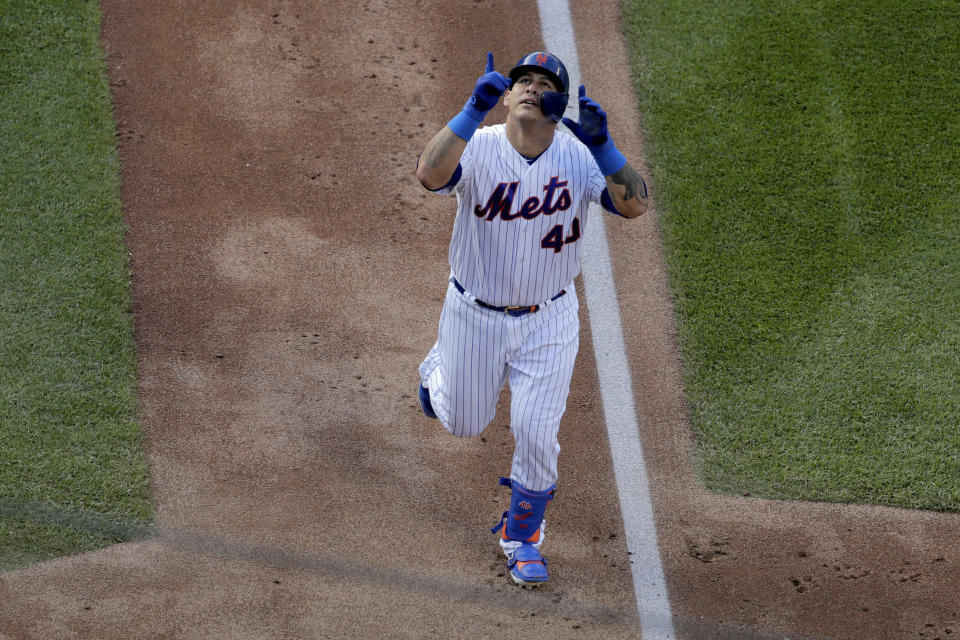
439,148
632,182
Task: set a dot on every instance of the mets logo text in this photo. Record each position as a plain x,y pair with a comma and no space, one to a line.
555,198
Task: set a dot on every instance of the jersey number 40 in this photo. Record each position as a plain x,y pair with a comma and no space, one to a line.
555,240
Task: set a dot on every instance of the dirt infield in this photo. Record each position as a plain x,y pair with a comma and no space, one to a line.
288,275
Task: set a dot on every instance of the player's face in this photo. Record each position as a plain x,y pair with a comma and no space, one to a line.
523,99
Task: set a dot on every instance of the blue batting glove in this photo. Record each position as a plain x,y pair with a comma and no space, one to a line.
592,131
486,93
490,86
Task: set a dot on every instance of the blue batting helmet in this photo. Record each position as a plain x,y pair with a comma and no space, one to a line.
545,63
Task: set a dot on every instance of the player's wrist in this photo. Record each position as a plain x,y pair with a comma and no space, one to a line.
608,157
476,112
464,124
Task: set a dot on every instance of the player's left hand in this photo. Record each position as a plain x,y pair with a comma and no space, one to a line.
592,128
592,131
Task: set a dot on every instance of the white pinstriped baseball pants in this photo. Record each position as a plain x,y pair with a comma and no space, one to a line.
479,350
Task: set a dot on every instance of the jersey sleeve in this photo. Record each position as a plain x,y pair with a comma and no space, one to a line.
607,203
598,184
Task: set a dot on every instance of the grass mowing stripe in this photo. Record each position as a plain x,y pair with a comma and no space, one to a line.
67,362
807,176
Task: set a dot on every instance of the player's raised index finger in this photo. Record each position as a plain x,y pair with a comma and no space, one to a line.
489,62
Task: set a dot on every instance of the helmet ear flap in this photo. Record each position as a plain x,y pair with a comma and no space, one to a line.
553,104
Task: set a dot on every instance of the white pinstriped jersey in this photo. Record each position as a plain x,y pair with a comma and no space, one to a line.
516,236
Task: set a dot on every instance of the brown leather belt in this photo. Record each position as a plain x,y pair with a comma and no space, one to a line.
513,311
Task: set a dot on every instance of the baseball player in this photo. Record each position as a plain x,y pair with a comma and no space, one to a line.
511,310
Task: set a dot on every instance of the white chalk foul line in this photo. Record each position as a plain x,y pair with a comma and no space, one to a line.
623,430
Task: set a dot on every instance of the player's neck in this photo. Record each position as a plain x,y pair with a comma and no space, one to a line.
530,138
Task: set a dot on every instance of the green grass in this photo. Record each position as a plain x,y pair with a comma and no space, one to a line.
806,167
69,436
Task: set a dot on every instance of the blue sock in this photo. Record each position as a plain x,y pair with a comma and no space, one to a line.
425,405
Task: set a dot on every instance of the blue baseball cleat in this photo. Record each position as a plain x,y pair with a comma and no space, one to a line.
425,405
527,567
